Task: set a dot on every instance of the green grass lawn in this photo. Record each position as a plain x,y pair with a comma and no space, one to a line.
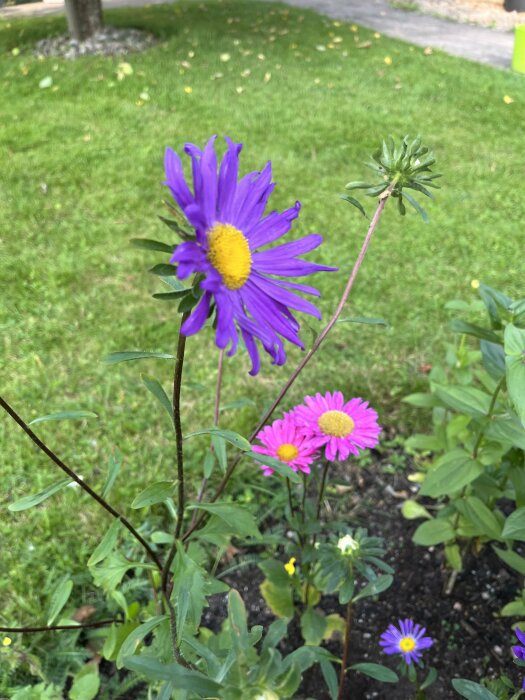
81,166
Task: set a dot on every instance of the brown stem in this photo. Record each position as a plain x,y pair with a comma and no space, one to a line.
346,650
315,347
101,501
322,488
52,628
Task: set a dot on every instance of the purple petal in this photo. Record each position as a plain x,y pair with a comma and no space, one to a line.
176,180
198,317
228,179
272,227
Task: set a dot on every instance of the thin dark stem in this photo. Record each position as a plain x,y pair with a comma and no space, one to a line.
101,501
216,414
53,628
290,499
346,651
322,488
177,383
315,347
303,500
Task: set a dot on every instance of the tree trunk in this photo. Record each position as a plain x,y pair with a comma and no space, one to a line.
84,18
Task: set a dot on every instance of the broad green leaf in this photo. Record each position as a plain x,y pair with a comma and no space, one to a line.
515,363
154,493
376,671
59,598
276,632
433,532
508,430
430,678
412,510
288,682
453,556
512,559
335,627
375,587
278,599
514,609
110,573
422,400
313,626
480,516
31,501
238,620
514,528
465,399
450,473
164,270
150,244
86,683
365,320
241,521
130,644
115,357
64,415
106,544
281,468
182,678
493,358
477,331
471,690
330,678
219,449
426,443
155,387
229,435
115,462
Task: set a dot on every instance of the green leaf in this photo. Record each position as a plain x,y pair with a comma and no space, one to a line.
86,683
412,510
238,620
417,206
421,400
471,690
370,321
465,399
480,516
313,626
431,677
127,356
512,559
132,641
115,462
458,326
64,415
241,521
278,599
453,556
515,363
330,678
239,403
276,632
170,296
109,574
164,270
280,467
182,678
31,501
450,473
508,430
493,357
376,671
155,387
433,532
229,435
150,244
59,598
514,609
106,544
354,202
380,584
514,528
219,449
154,493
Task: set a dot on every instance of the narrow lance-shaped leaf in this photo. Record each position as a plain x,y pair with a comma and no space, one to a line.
36,499
150,244
127,356
115,462
64,415
155,387
59,598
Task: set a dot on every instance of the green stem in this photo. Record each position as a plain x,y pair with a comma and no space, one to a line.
346,652
290,500
322,489
489,416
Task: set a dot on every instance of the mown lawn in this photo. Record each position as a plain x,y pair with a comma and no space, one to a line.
81,173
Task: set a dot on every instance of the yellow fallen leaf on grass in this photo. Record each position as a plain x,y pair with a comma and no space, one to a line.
267,77
388,60
508,99
188,89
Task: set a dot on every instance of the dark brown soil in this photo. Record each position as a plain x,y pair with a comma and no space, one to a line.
471,641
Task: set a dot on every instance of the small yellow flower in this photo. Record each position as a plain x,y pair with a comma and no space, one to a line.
290,566
388,60
188,89
428,51
353,28
7,641
508,100
474,284
15,51
225,57
377,35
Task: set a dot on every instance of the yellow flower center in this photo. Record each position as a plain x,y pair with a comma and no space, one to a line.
287,452
407,644
290,566
336,423
229,253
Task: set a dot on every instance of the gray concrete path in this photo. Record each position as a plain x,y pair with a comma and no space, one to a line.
479,44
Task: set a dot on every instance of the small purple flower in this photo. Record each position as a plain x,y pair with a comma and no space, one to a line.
238,279
408,640
519,649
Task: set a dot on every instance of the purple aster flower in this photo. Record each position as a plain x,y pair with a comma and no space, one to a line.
519,649
238,279
408,640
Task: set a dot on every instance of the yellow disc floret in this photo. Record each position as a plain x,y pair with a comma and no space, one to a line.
287,452
229,253
336,423
407,644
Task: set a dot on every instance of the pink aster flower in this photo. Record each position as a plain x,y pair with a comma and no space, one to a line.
344,427
284,441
